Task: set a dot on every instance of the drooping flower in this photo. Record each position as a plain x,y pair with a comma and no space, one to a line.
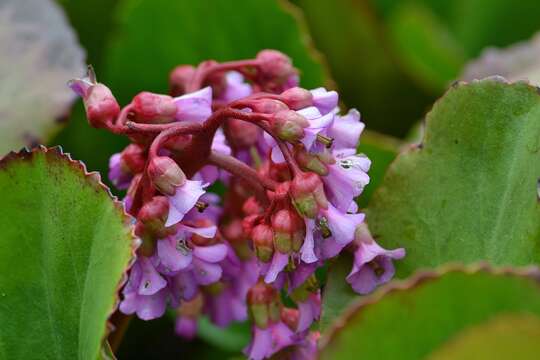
372,264
146,291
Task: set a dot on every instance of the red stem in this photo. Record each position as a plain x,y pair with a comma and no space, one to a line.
242,171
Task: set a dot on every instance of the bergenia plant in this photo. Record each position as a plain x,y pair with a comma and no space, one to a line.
287,157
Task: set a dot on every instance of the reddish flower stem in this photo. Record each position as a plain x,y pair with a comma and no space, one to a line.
240,169
205,69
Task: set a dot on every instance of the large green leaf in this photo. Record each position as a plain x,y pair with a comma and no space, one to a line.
39,54
503,337
381,150
368,77
64,248
469,192
415,318
432,37
434,57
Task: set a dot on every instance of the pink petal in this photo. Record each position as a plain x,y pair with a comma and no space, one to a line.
212,253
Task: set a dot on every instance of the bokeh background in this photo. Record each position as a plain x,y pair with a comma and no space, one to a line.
390,59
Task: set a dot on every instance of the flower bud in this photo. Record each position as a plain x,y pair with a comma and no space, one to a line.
248,223
153,108
268,106
310,162
259,299
235,235
133,156
153,215
283,226
297,98
252,207
308,194
99,102
179,78
165,174
101,106
289,125
290,317
263,236
275,65
242,134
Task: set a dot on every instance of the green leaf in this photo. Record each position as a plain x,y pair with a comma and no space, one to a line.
64,248
368,77
156,35
503,337
337,293
234,337
39,54
412,319
381,150
434,57
469,192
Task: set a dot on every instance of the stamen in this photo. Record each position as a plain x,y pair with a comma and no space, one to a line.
91,74
376,267
325,229
201,206
325,140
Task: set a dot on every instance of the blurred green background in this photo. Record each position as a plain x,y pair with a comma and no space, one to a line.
390,59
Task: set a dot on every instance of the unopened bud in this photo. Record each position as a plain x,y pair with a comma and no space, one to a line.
308,194
153,108
252,207
275,65
268,106
133,156
242,134
310,162
259,298
297,98
289,125
165,174
99,102
283,226
290,317
263,236
249,222
153,215
179,78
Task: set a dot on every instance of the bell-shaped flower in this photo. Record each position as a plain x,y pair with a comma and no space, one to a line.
146,291
373,264
346,179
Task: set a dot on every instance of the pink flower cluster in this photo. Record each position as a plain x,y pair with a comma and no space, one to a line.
288,159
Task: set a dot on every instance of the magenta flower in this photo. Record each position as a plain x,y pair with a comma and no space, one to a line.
346,179
346,131
324,100
235,87
186,327
372,264
146,292
195,106
183,200
266,342
310,310
118,174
